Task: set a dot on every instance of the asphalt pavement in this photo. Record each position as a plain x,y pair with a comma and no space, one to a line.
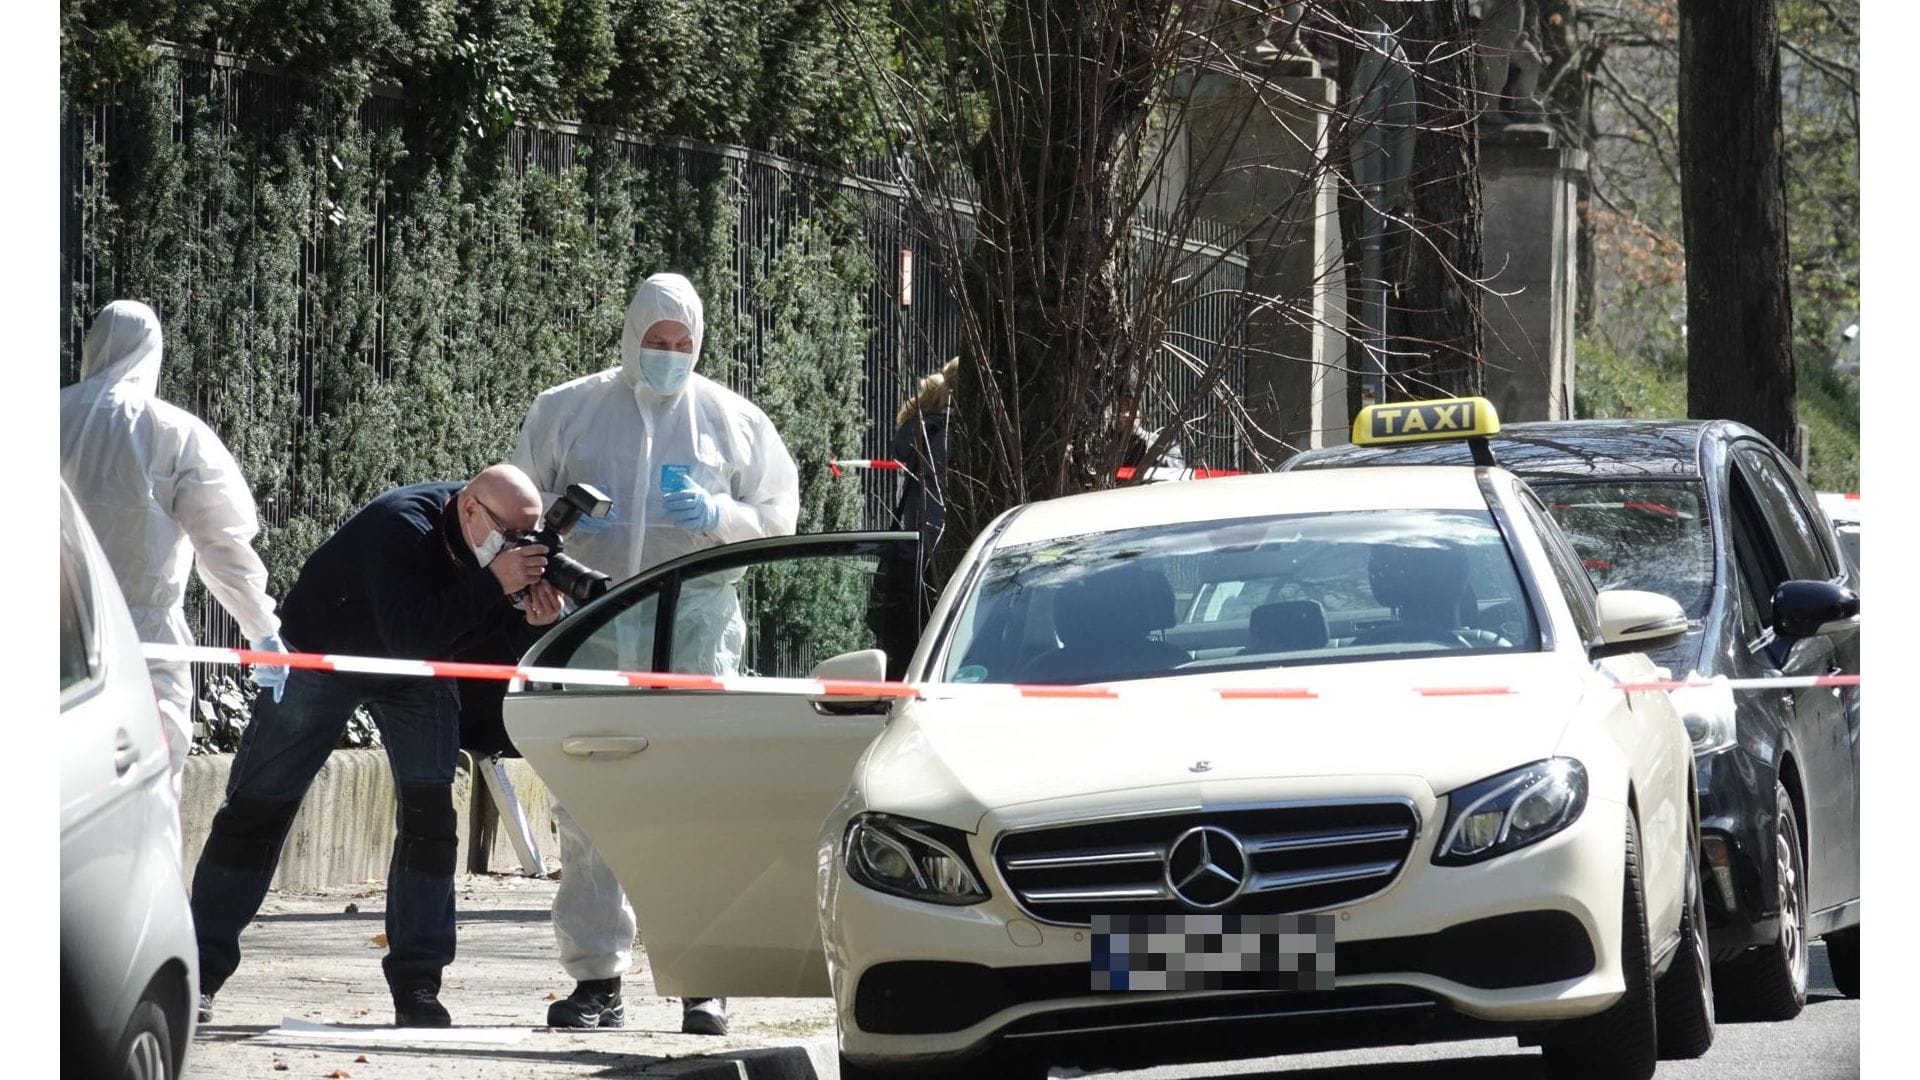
307,958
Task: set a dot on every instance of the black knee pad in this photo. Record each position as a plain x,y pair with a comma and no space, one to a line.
428,841
248,831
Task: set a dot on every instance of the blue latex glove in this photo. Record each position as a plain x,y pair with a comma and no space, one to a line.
270,678
691,507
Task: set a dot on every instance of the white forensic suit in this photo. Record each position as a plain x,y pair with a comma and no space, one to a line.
160,491
615,430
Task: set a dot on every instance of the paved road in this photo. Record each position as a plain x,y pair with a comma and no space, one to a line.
1822,1044
308,958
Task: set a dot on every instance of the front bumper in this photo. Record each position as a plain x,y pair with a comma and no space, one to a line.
1522,941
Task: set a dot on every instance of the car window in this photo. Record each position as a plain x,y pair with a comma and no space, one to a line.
1653,536
1261,592
1755,554
1806,553
777,618
79,658
1574,584
622,642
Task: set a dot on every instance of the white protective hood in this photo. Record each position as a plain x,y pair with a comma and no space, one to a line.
157,485
609,429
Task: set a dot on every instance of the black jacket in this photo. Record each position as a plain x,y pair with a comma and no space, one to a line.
398,580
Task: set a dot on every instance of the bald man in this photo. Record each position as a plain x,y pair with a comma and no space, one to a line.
420,573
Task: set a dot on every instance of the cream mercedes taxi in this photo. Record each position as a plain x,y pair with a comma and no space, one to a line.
1193,771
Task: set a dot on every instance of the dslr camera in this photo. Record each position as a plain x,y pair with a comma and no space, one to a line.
564,572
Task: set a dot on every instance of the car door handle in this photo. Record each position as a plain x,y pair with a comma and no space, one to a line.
125,754
604,745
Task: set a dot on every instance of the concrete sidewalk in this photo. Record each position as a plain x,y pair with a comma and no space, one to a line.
306,957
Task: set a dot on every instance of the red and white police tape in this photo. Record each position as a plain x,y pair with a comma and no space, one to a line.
1124,472
854,688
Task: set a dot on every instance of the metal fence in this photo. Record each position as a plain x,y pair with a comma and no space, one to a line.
915,325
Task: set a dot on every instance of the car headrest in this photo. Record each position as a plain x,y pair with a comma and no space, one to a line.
1430,580
1118,604
1286,625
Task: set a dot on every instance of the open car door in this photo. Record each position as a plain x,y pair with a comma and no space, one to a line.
708,805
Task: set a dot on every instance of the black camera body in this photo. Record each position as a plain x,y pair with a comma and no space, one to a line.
571,576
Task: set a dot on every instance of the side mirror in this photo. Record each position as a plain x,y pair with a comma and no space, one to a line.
1633,621
867,665
1804,609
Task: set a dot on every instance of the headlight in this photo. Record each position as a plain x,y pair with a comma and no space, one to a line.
1507,812
1708,712
914,859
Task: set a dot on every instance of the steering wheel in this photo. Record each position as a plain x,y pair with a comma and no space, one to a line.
1412,633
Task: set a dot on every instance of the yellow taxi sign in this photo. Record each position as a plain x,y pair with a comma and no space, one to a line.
1425,421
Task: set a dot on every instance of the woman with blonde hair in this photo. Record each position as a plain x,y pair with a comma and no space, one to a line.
920,441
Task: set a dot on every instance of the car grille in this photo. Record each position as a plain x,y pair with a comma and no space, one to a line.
1286,859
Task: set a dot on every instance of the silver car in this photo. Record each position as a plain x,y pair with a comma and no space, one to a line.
128,964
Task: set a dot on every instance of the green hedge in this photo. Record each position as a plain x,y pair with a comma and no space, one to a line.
363,280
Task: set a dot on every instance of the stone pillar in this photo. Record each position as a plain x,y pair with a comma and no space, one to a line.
1255,162
1529,188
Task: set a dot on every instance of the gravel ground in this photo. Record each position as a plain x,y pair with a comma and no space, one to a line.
307,957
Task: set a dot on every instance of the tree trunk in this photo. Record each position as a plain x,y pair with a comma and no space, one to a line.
1045,274
1733,198
1437,313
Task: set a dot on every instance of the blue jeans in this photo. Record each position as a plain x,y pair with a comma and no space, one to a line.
280,753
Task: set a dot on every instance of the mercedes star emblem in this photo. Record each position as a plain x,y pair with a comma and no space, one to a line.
1200,766
1207,867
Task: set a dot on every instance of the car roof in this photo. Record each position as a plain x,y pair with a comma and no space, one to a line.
1227,498
1557,449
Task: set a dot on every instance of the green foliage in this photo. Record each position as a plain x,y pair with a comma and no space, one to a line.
783,74
1613,385
358,296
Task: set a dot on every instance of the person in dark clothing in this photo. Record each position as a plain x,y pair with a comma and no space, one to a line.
421,572
920,443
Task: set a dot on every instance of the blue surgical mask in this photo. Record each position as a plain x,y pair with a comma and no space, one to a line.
665,370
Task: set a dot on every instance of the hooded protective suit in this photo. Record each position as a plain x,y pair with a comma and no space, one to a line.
614,430
617,430
159,489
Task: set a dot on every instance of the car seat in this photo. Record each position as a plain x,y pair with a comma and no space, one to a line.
1103,622
1427,589
1286,626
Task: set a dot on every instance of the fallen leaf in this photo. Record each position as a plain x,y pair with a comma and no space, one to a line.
353,909
339,1074
553,997
361,1012
380,940
279,1066
361,1060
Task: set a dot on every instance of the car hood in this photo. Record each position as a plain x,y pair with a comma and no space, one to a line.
953,760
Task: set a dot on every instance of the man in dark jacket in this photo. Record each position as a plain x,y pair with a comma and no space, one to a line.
420,573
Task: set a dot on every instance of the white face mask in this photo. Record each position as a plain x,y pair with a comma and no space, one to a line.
492,546
665,370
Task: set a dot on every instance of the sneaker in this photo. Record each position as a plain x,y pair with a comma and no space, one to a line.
593,1003
703,1016
206,1008
419,1008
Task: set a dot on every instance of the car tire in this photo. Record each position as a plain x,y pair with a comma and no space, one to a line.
1621,1042
1843,956
1683,998
1770,982
146,1050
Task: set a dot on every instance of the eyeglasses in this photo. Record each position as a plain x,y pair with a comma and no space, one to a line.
505,530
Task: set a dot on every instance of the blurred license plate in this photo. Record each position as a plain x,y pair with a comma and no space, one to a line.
1213,952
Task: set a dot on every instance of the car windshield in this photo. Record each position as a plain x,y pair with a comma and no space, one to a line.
1253,593
1642,535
